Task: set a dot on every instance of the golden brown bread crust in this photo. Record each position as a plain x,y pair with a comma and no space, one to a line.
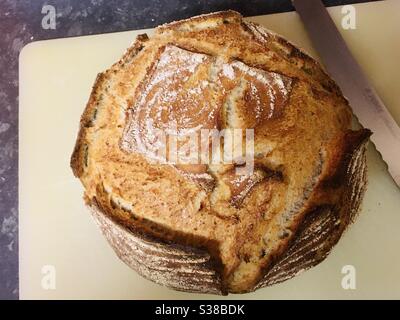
312,164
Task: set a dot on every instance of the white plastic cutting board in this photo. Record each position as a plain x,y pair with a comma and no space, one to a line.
56,229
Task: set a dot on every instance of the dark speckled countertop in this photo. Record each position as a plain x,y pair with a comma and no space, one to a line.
21,23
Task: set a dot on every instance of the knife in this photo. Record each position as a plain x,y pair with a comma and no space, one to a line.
341,65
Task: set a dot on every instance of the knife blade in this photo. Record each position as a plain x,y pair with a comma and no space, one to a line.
344,69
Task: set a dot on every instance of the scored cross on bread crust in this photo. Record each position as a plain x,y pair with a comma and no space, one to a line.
201,227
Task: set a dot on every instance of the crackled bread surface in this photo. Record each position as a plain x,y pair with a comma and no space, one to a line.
200,226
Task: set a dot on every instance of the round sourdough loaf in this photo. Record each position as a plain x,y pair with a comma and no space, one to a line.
213,226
